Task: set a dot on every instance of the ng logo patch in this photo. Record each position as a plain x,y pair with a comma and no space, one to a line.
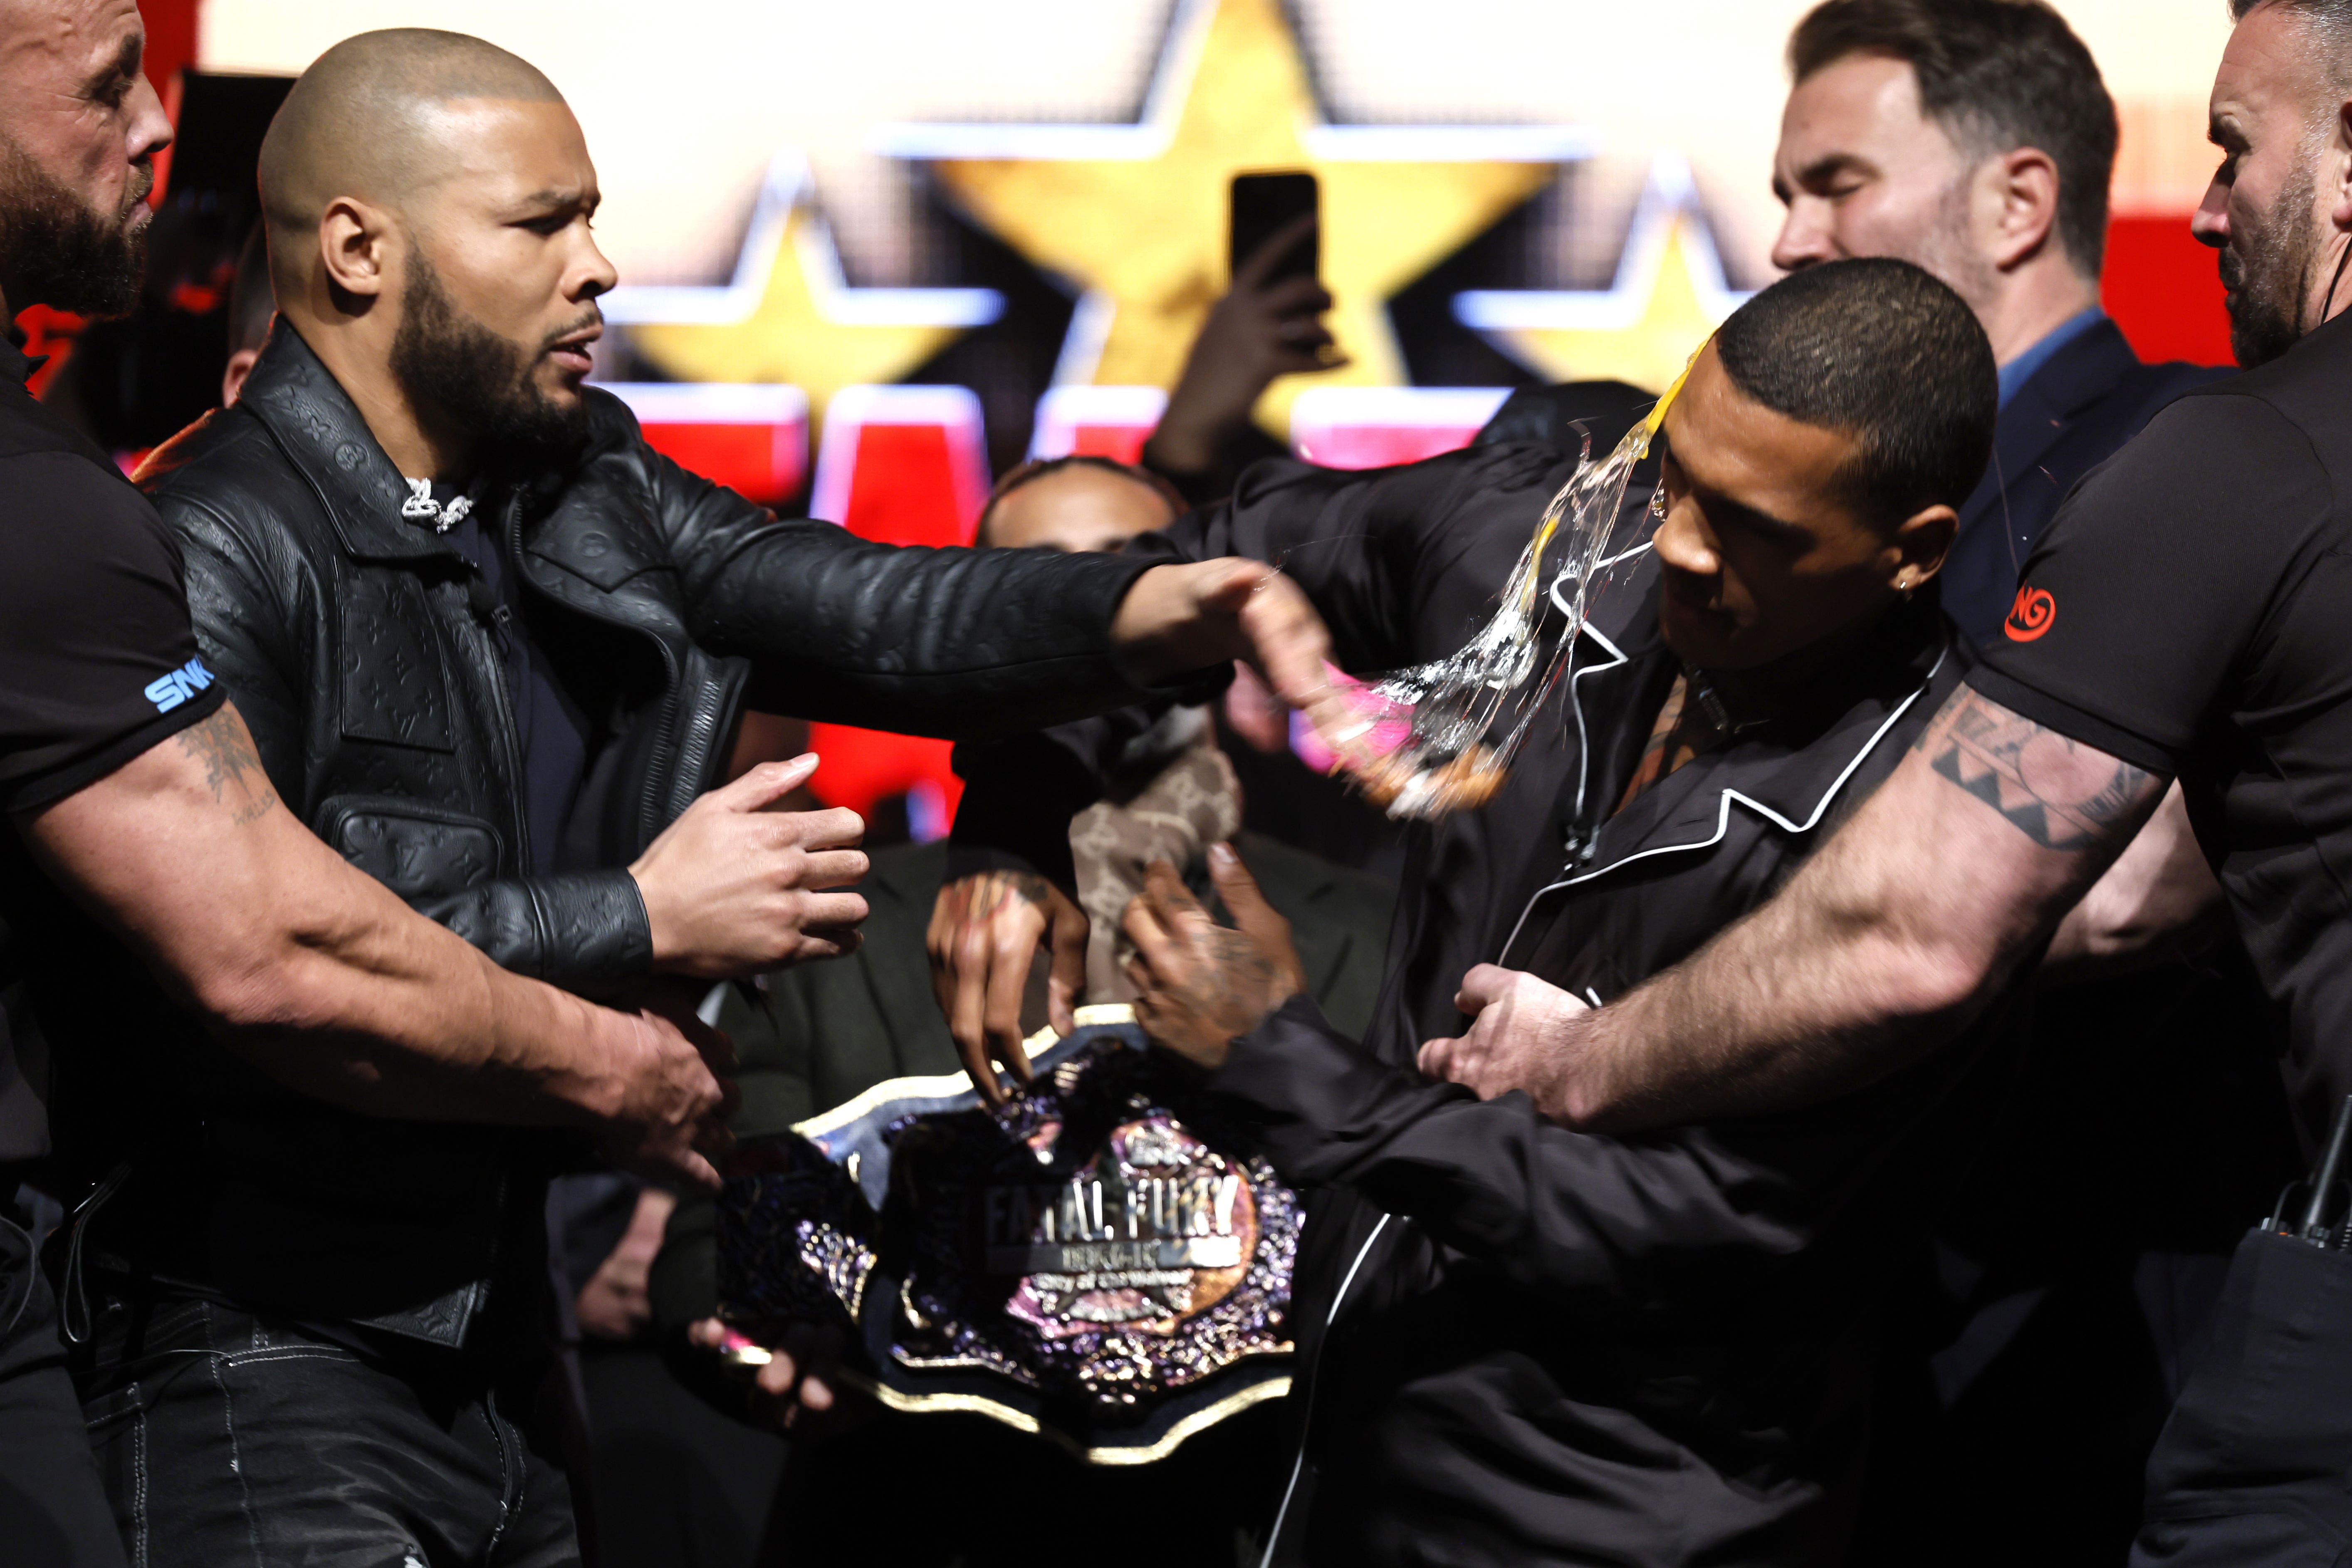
2030,616
169,691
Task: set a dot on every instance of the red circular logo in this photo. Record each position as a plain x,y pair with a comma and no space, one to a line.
2030,616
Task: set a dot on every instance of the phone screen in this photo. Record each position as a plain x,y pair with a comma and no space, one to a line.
1261,205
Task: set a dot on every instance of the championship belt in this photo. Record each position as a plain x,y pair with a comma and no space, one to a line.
1096,1261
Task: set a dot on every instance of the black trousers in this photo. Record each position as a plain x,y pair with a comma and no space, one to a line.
53,1513
227,1438
2256,1464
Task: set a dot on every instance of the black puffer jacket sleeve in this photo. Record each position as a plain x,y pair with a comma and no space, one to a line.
954,643
252,615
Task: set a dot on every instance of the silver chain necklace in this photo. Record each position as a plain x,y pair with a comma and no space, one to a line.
420,507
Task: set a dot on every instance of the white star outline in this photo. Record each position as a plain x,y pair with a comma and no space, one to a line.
1669,197
788,186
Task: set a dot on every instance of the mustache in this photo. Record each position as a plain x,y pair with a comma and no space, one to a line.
139,186
592,317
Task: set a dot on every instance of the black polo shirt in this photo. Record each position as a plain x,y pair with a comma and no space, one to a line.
2190,611
97,663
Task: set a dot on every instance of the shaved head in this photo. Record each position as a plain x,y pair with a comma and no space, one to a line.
428,202
369,119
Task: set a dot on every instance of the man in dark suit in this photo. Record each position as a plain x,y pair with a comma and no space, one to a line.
1975,138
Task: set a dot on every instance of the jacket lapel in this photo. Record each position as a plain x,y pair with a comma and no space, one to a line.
324,437
1789,775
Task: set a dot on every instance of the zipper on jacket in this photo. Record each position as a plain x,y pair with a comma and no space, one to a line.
1307,1416
493,629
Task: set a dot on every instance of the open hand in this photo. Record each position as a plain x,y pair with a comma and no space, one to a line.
1518,1036
985,931
1200,986
733,890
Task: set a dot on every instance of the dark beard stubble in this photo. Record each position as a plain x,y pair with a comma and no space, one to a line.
443,358
2270,278
61,252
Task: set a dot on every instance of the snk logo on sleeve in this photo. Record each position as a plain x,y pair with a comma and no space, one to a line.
169,691
2030,616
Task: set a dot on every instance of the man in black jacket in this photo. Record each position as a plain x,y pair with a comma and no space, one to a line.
1524,1345
494,649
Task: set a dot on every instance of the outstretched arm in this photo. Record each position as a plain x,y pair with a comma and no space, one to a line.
1399,564
324,979
1887,944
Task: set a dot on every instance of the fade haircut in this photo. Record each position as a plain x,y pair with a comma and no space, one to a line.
1880,349
1994,76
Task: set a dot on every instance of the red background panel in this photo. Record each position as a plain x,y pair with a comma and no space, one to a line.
1119,443
759,462
2164,290
903,489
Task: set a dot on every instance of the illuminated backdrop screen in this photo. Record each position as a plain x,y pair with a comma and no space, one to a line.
872,253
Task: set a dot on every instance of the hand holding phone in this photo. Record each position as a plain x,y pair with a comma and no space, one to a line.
1269,324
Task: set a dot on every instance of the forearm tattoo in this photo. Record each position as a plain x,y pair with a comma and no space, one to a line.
233,769
2062,795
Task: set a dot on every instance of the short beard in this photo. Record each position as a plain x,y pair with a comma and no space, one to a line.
482,382
57,250
2268,273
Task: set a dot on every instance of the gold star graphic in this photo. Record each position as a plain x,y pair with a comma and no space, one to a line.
788,315
1668,295
1136,214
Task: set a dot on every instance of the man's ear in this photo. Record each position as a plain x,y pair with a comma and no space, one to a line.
354,243
240,365
2025,182
1917,551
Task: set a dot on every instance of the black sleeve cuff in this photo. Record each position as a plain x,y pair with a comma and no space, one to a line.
33,794
1301,1084
2075,723
1019,797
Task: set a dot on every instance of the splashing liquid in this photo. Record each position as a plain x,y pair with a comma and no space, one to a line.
1422,745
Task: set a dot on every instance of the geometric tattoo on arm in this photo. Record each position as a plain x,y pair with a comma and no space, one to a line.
2062,795
221,743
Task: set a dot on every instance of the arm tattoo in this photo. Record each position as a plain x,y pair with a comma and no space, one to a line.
2062,793
232,769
